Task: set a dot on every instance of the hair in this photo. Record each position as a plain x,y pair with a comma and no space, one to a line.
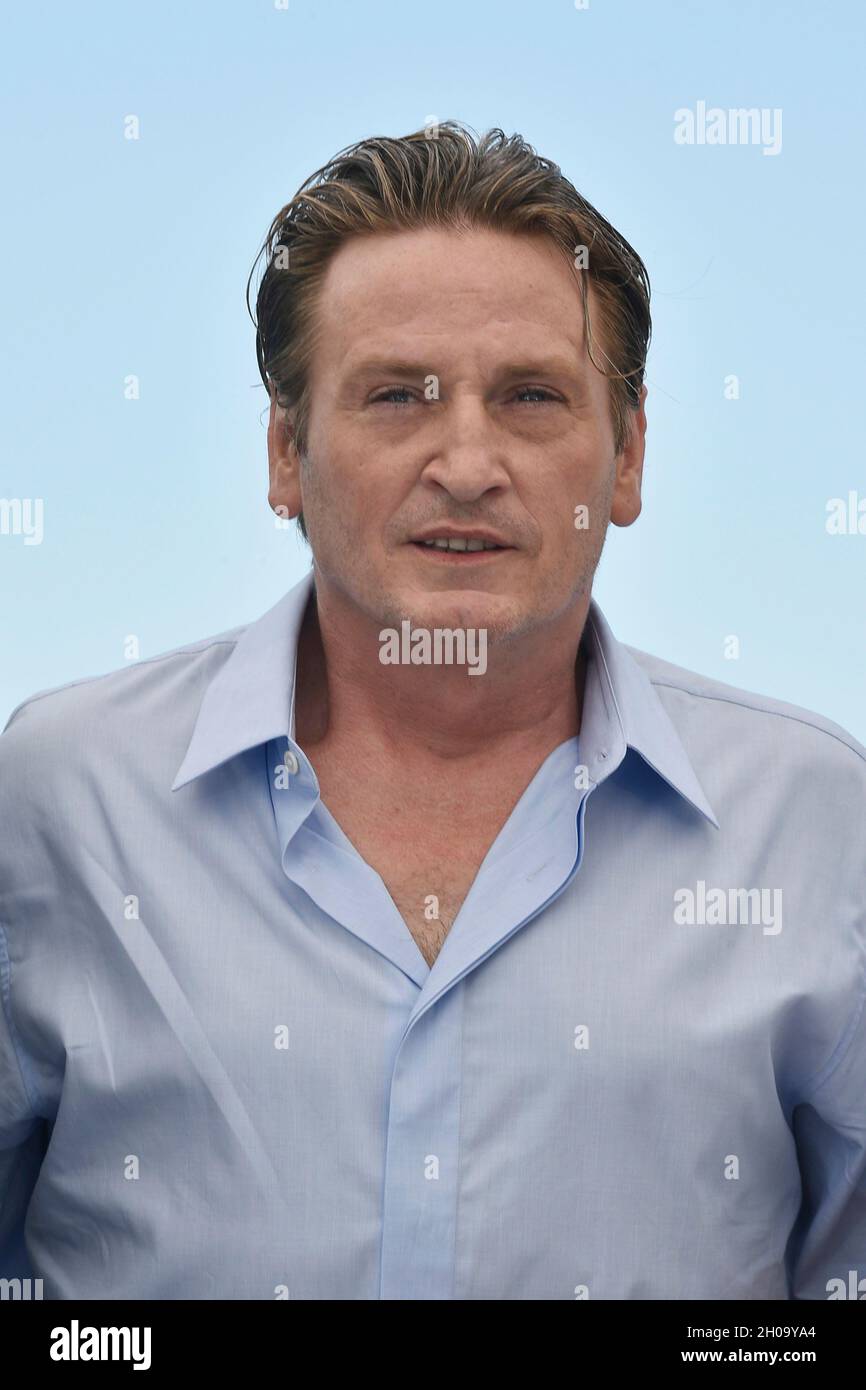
443,176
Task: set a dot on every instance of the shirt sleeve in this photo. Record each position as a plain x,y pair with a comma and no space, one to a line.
21,1138
827,1253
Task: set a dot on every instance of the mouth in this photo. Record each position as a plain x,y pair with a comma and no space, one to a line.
461,549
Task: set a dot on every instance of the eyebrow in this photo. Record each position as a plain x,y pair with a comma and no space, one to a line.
542,366
384,366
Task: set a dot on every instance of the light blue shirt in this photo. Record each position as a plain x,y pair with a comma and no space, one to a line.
636,1069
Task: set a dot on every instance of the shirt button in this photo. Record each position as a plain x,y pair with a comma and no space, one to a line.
291,761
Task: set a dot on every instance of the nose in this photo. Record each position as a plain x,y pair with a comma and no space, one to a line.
469,456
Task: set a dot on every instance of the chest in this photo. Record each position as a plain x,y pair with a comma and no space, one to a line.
427,893
426,852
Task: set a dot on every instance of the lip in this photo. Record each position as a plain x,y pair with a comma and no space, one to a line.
469,533
460,557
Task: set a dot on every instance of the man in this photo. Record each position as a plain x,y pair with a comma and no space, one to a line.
420,940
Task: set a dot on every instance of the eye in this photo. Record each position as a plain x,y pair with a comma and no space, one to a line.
537,391
386,397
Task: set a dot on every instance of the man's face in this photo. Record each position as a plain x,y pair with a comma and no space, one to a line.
451,389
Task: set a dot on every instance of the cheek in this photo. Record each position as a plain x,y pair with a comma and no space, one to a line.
589,478
572,496
353,505
572,511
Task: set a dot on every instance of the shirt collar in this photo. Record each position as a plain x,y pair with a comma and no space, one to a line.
622,710
251,700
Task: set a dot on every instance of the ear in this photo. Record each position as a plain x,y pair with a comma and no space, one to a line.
284,465
626,502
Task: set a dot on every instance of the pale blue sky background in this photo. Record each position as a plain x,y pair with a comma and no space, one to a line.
131,257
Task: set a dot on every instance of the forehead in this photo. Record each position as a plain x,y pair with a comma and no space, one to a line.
433,283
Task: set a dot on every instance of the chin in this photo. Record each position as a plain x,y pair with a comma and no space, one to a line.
497,614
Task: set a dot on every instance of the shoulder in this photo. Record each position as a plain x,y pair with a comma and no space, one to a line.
756,729
60,727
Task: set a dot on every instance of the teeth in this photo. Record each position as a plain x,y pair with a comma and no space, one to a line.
461,543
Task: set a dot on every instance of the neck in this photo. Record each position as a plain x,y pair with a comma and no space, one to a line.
527,702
